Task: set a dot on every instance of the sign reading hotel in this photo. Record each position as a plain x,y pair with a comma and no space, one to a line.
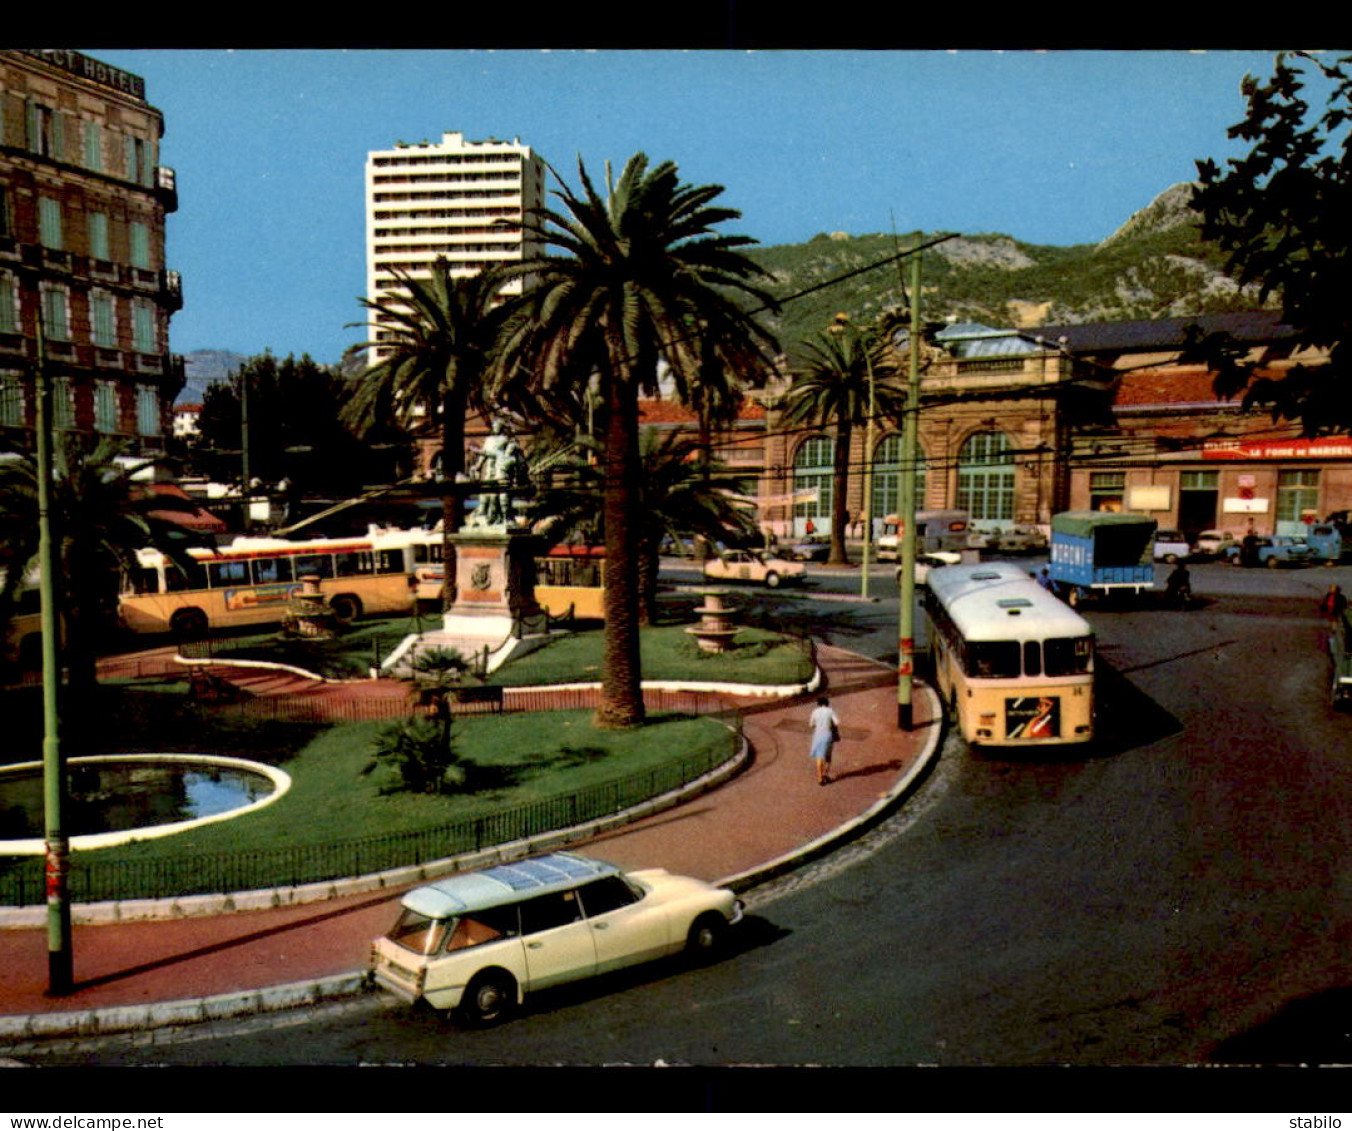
1325,447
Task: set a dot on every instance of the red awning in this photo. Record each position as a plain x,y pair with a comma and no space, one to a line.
195,519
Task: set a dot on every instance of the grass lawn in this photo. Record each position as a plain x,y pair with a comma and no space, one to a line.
757,655
516,761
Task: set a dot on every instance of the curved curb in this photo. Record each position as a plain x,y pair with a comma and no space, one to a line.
291,995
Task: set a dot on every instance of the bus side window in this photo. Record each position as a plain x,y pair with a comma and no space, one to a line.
222,574
267,571
316,565
176,581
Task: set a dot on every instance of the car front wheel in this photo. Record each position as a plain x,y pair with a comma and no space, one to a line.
772,580
706,939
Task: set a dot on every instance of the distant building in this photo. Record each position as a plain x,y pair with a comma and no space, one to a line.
458,200
83,201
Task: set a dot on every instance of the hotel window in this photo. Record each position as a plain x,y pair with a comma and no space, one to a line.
9,304
45,131
6,217
102,319
143,328
147,410
98,236
137,168
105,406
63,403
49,222
140,245
56,313
11,401
93,146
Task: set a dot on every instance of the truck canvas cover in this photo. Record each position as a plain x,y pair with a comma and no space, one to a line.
1119,538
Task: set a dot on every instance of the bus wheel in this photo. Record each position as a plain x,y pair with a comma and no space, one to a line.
1073,597
189,624
345,608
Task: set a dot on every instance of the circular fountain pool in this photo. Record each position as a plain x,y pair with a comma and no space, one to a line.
115,799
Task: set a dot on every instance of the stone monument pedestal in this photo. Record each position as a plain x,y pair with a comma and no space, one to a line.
495,609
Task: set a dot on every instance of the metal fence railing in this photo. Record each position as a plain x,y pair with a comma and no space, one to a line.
92,880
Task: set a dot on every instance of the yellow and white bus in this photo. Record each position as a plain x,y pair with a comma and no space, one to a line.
1012,663
252,581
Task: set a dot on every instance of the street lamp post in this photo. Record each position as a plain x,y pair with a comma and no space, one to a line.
909,446
59,959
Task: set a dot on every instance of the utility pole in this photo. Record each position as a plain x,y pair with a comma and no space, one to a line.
868,473
909,448
60,979
246,489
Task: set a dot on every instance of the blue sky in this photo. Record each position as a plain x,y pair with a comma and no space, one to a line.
269,148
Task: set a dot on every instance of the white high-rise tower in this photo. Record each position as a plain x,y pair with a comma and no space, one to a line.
458,200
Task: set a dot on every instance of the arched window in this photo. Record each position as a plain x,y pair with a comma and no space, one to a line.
813,468
986,477
887,472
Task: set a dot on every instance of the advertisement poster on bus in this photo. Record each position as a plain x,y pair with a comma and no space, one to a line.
1033,716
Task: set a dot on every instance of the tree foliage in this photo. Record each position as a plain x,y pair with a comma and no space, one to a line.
295,430
641,277
101,515
1283,215
680,493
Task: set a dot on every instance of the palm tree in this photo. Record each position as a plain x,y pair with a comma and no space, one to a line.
679,493
832,387
441,336
101,515
641,277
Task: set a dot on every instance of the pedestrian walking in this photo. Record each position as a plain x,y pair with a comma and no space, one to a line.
825,724
1334,603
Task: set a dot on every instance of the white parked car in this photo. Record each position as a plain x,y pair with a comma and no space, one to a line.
747,565
478,942
924,563
1215,543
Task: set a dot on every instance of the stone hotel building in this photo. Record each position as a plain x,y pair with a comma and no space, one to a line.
83,201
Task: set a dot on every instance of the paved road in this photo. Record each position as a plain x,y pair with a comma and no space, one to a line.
1180,894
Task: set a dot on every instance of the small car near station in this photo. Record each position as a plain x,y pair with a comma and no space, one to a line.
1023,538
1214,543
1172,546
1274,552
757,569
811,548
477,943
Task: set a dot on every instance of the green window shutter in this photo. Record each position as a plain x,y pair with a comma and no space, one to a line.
98,236
93,147
140,245
49,222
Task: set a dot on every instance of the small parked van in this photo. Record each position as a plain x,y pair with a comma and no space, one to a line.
934,531
478,942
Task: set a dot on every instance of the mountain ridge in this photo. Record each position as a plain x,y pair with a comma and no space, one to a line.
1154,265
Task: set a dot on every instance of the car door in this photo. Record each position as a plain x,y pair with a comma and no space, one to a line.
627,927
558,941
